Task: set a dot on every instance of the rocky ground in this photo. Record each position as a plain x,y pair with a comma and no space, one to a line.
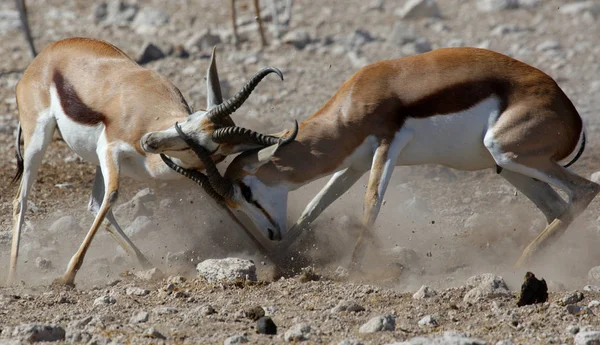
441,226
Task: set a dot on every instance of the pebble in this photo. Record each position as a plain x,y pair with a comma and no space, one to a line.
237,339
574,309
298,332
265,325
418,9
424,292
548,45
227,269
139,317
428,321
105,300
587,338
350,342
255,313
136,291
419,46
496,5
594,275
165,310
206,310
594,304
150,52
149,275
449,338
38,332
486,286
154,334
379,324
148,20
299,38
572,298
348,306
573,329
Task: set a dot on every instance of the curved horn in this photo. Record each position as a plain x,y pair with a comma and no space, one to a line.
195,176
237,135
228,107
220,184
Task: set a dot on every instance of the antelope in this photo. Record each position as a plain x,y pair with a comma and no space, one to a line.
103,104
464,108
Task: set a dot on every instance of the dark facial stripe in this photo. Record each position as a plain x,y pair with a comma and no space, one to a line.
72,105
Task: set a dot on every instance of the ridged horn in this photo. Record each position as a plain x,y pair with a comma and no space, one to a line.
220,184
240,135
228,107
195,176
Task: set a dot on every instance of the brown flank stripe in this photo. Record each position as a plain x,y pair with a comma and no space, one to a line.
72,105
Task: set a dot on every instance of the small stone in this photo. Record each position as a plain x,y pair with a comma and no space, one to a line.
548,45
136,291
43,264
347,306
424,292
356,60
572,298
587,338
153,333
574,309
105,300
341,273
237,339
207,310
379,324
202,41
265,325
496,5
165,310
359,38
419,46
255,313
299,38
298,332
532,291
593,304
139,317
449,338
591,288
38,332
149,275
428,321
573,329
350,342
486,286
418,9
66,224
227,269
149,52
148,20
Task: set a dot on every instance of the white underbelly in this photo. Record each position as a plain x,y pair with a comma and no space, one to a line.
454,140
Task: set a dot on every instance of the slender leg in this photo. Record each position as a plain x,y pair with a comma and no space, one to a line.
540,193
384,162
117,233
25,24
234,23
263,40
35,147
110,169
337,185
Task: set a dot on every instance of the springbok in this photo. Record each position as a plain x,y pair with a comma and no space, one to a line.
103,103
464,108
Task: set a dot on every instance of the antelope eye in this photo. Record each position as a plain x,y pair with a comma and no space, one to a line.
246,192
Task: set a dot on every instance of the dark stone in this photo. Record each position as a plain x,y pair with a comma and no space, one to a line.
533,291
149,53
255,313
266,326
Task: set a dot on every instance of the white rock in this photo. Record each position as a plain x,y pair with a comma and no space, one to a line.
298,332
237,339
587,338
229,269
593,304
580,7
202,41
154,333
165,310
418,9
428,321
299,38
149,275
148,20
350,342
349,306
505,342
486,286
357,61
594,275
38,332
136,291
401,34
105,300
378,324
548,45
139,317
572,298
424,292
449,338
572,329
65,225
496,5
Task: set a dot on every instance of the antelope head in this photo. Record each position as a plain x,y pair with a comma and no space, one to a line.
241,192
213,128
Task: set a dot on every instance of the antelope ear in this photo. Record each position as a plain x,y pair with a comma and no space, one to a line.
213,87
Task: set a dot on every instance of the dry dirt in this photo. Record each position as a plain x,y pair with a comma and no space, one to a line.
458,223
